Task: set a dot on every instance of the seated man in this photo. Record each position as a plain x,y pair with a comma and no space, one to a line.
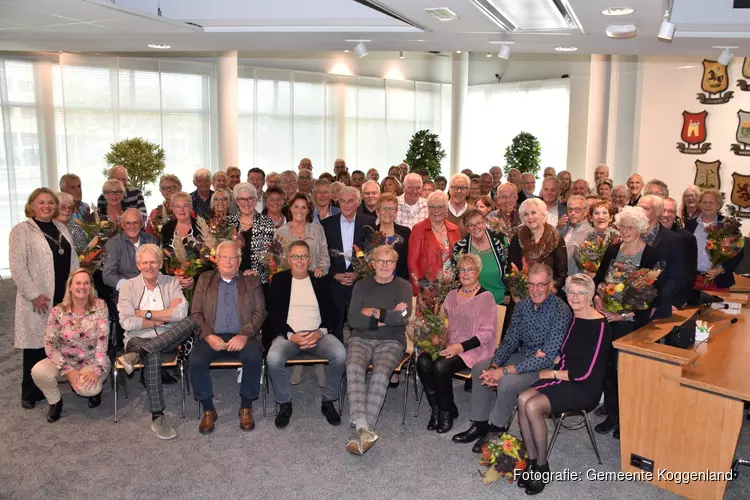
119,263
510,371
302,318
153,313
228,309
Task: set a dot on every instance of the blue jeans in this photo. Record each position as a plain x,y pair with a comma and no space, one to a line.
329,347
203,355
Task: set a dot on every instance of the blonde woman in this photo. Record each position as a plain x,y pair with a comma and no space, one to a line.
75,341
114,192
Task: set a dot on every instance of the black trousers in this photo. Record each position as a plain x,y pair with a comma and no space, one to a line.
29,390
611,393
437,378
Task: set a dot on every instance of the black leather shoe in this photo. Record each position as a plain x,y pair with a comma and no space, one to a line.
445,421
474,432
433,423
606,426
54,412
536,485
616,433
467,385
523,479
477,448
285,414
330,412
95,401
601,411
28,404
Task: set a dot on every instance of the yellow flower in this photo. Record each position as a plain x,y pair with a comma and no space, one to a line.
213,252
80,258
445,322
620,287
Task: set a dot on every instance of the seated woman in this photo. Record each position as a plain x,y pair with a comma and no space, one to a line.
274,206
632,222
431,242
574,384
396,235
492,249
379,311
254,230
472,320
169,184
113,192
75,341
301,228
183,226
713,278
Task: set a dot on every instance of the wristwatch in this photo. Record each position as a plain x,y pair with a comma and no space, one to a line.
505,370
149,315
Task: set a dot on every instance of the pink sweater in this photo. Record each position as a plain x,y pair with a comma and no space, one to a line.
475,317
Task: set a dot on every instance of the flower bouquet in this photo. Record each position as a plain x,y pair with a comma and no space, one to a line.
429,327
98,232
361,260
274,258
588,254
724,241
189,260
157,218
502,456
517,281
379,238
628,288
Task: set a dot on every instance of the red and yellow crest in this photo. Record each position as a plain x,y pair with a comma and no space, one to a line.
694,133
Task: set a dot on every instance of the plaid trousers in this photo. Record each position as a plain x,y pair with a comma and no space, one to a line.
384,355
150,356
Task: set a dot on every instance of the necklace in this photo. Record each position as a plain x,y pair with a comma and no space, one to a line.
470,291
57,242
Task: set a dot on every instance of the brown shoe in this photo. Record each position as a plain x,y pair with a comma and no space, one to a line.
246,419
207,422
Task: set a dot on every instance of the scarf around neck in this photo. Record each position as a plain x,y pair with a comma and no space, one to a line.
538,251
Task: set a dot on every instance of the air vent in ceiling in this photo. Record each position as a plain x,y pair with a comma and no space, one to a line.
530,15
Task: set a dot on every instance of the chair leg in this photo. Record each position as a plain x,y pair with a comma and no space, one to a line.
198,416
419,403
263,384
341,397
590,430
406,395
554,435
182,387
115,372
124,382
512,415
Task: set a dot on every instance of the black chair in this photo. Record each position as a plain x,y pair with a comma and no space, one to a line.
586,422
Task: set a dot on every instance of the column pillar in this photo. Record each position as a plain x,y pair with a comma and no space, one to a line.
459,93
46,125
227,111
598,113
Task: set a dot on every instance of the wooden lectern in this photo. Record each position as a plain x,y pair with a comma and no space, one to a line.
682,409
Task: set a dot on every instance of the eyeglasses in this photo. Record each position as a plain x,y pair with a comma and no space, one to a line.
466,270
476,225
436,207
66,208
504,197
620,197
168,188
112,192
459,188
132,224
228,258
222,199
627,228
384,262
387,209
299,256
690,196
539,285
575,210
248,199
670,211
576,294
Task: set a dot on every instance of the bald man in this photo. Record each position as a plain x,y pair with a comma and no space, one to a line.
133,197
305,163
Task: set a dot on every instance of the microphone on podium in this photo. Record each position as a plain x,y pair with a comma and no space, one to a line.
714,334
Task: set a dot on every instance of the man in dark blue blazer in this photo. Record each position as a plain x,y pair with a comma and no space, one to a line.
689,245
343,231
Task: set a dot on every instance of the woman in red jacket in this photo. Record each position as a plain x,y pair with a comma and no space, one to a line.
431,241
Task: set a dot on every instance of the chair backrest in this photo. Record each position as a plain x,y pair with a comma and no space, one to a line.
501,309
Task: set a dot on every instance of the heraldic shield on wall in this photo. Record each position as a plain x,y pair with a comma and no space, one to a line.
742,84
743,134
707,174
715,81
740,195
694,134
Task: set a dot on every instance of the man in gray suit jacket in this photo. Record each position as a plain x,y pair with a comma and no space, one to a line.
119,263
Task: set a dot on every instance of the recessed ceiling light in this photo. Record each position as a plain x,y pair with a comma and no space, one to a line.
618,11
443,13
501,42
489,54
504,52
621,31
725,47
346,50
159,46
400,54
458,52
566,49
355,40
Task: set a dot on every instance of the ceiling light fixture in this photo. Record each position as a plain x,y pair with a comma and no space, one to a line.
358,40
667,28
566,49
458,52
502,42
442,13
620,31
726,56
489,54
504,52
400,54
160,46
618,11
360,50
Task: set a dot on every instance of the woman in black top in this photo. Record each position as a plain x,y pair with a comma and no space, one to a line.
574,384
395,235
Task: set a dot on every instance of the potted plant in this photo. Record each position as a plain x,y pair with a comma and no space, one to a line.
143,160
425,153
524,154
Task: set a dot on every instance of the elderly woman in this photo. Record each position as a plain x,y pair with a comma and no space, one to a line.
379,311
301,228
254,230
394,234
431,242
620,197
183,226
472,320
565,184
220,203
574,383
537,241
632,223
484,205
336,188
714,278
169,184
395,172
75,341
604,189
690,209
274,198
344,178
114,192
492,250
41,258
220,180
67,207
391,185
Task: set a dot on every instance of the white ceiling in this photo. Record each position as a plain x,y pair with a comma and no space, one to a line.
324,25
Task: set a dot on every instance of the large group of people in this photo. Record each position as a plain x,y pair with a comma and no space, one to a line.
413,228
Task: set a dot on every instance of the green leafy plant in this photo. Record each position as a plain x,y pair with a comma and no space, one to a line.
143,160
524,154
425,153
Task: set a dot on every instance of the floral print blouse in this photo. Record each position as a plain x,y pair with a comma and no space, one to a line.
74,342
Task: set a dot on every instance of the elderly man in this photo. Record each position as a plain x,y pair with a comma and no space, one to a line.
235,176
601,172
459,191
322,206
497,177
288,181
689,244
412,208
358,178
153,313
305,181
228,309
510,371
257,177
635,187
485,184
514,177
343,231
672,282
528,185
556,210
305,164
580,187
133,197
300,316
428,187
370,195
576,230
71,184
119,263
373,175
620,197
657,188
506,211
202,195
339,166
404,167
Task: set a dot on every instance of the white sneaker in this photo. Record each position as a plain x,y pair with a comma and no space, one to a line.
162,428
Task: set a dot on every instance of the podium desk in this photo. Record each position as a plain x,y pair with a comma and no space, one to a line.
741,284
682,409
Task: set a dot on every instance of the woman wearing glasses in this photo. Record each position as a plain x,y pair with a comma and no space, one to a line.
220,203
472,319
113,192
431,242
169,184
254,230
393,234
690,209
184,226
301,228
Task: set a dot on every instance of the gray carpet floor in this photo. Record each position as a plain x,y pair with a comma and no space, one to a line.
86,455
